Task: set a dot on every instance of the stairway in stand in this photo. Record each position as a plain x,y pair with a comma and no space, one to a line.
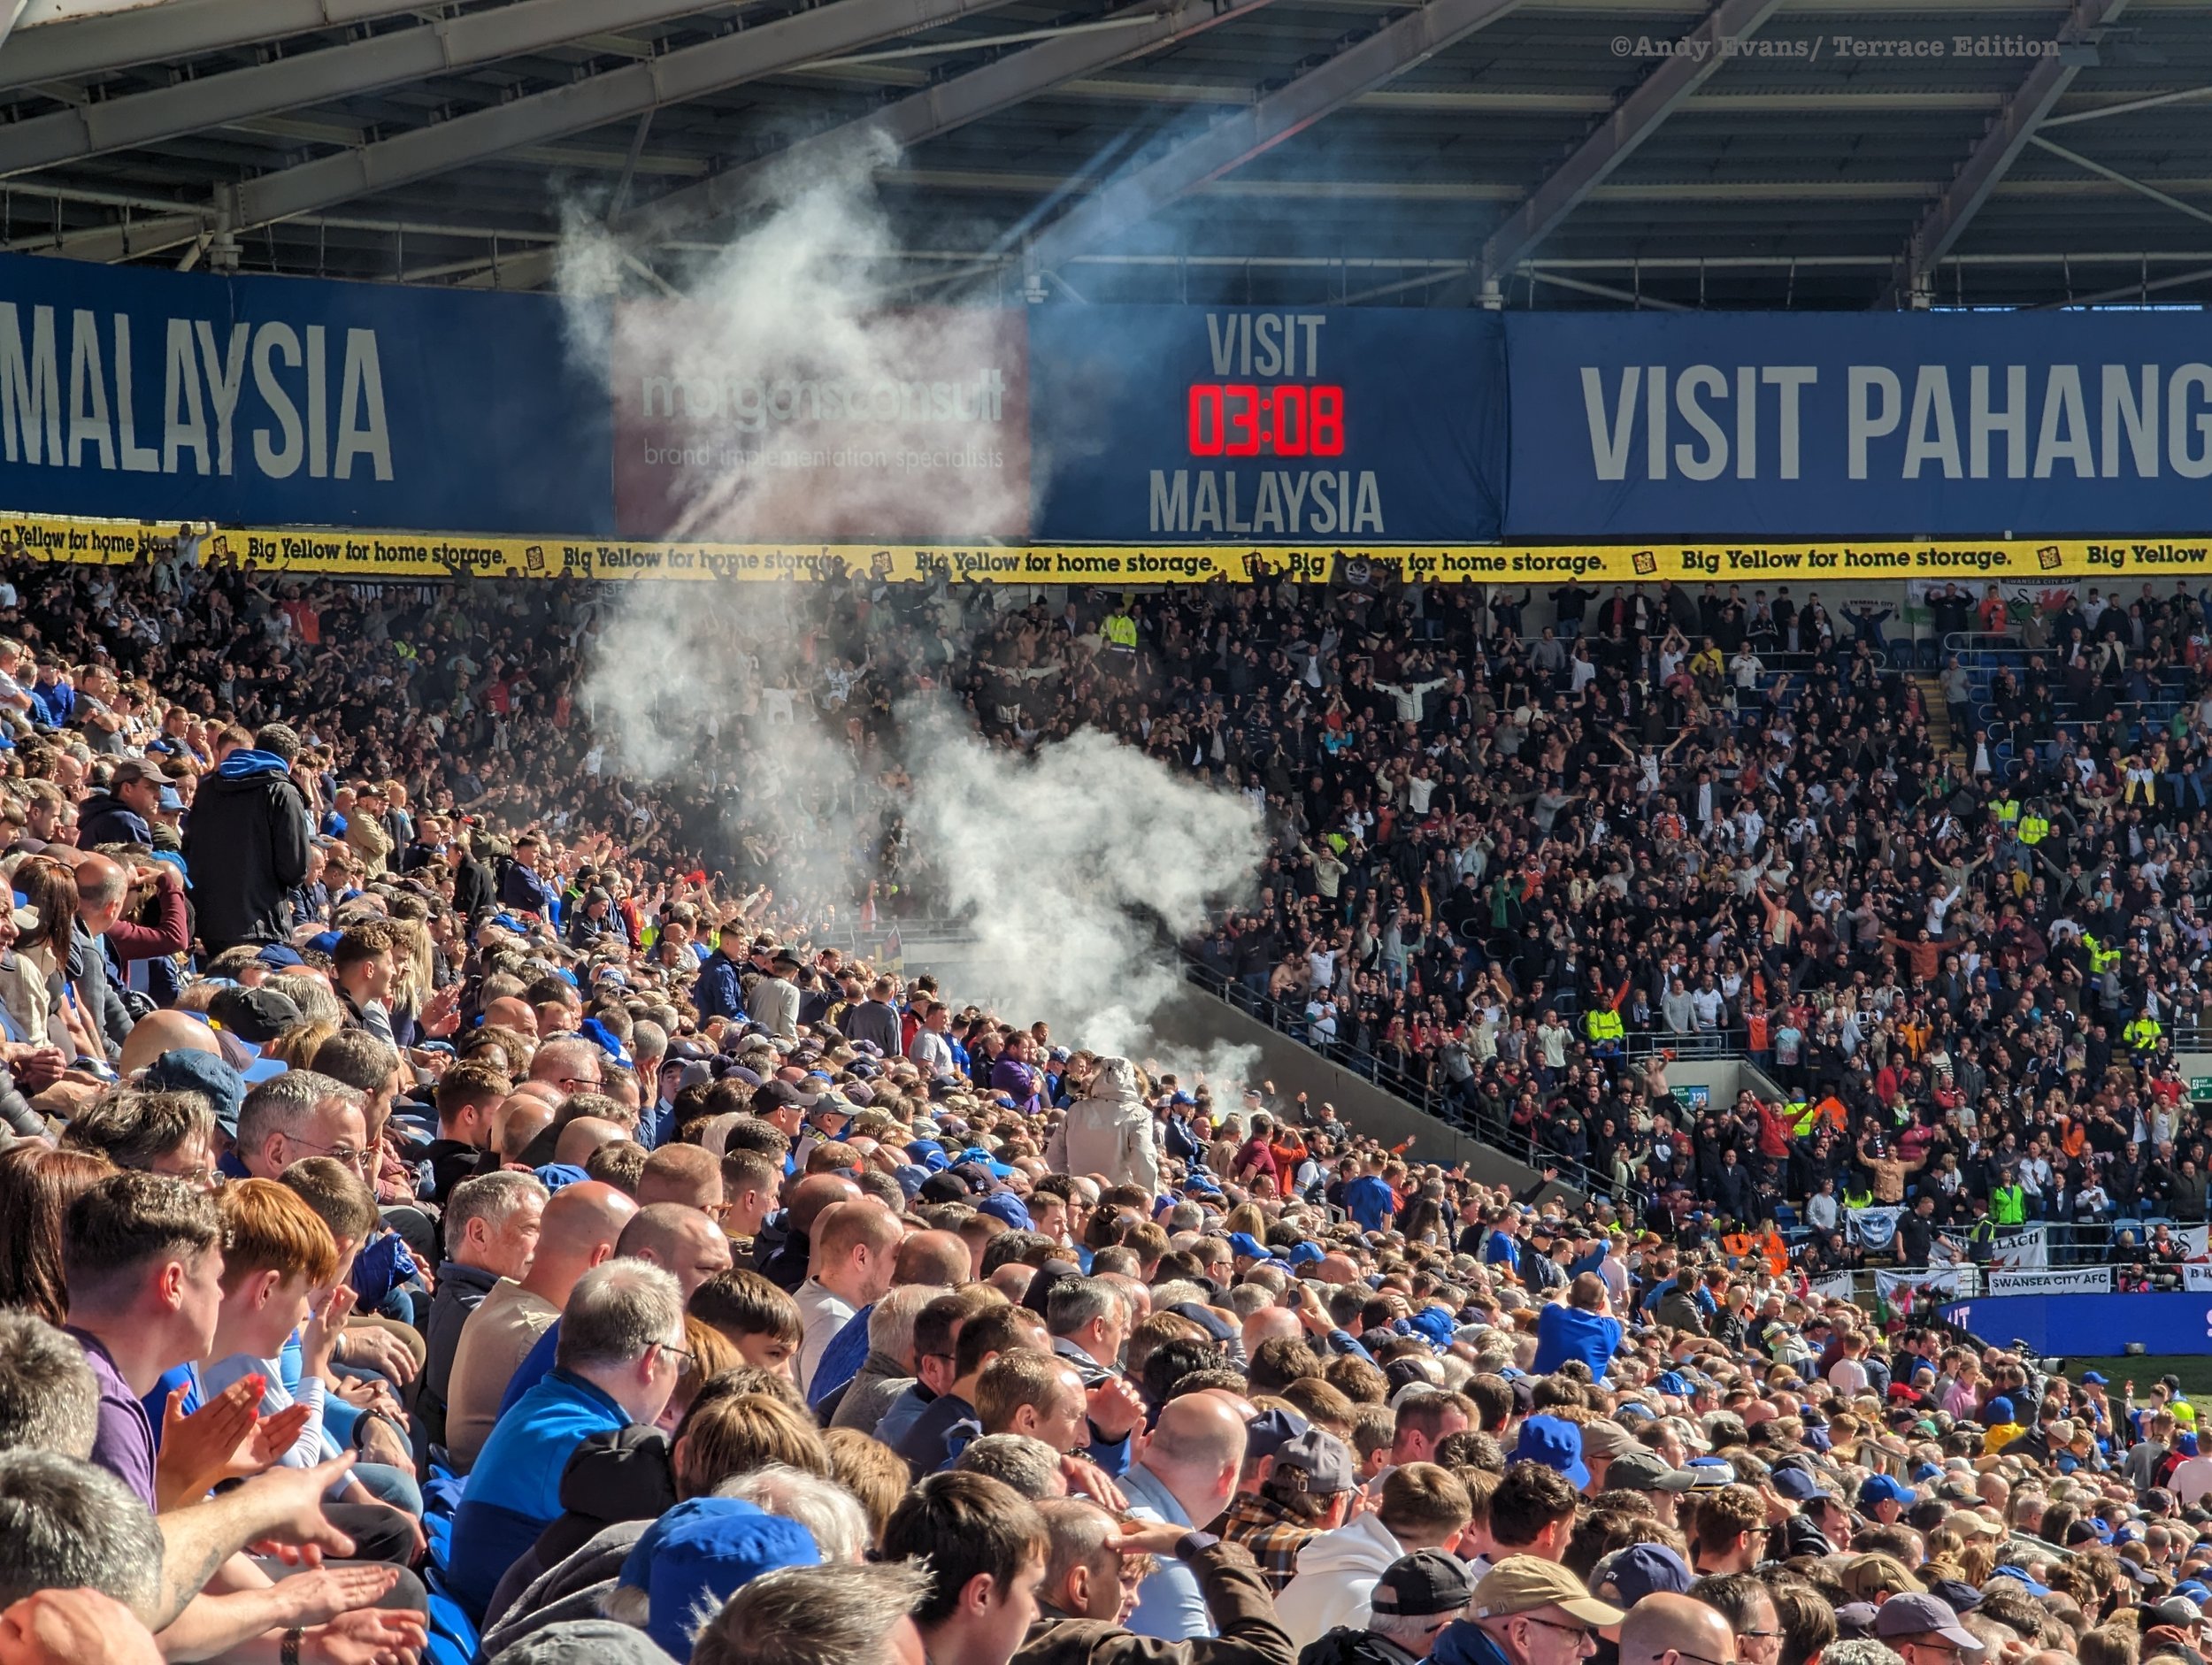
1945,743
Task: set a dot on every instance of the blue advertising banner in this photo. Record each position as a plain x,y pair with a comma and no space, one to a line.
1843,425
171,397
1190,424
2093,1326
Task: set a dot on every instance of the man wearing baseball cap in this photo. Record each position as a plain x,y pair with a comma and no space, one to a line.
1924,1631
1417,1597
1307,1490
1883,1498
1528,1611
1659,1481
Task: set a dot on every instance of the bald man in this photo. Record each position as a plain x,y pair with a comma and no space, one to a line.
856,1247
928,1263
1187,1478
1671,1629
522,1117
581,1225
681,1241
1270,1324
583,1136
161,1031
932,1257
689,1174
783,1247
511,1011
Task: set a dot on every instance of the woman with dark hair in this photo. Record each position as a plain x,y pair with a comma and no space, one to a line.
34,972
37,1185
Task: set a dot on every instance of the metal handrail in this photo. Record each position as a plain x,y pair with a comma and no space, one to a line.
1417,1091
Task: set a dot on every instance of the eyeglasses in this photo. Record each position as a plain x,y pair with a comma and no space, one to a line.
353,1155
572,1082
684,1354
1581,1632
1684,1653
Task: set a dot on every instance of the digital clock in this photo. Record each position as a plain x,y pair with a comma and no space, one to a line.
1242,418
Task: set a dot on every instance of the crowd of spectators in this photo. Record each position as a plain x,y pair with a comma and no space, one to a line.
462,1203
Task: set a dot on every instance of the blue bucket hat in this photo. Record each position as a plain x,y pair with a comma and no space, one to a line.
700,1554
1556,1444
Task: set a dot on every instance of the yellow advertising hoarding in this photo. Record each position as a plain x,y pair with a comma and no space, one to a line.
405,555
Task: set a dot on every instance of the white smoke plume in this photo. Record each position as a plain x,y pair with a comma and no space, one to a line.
1073,867
1057,858
782,400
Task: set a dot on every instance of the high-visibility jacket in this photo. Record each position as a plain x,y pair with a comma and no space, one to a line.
2143,1033
2008,1205
1121,630
2007,810
2034,829
1603,1024
2101,959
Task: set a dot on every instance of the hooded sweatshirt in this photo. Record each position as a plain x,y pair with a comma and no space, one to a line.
1336,1573
246,844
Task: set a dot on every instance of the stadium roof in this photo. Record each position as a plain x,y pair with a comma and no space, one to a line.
1294,151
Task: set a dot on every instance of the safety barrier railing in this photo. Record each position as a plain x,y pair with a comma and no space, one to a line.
1408,1081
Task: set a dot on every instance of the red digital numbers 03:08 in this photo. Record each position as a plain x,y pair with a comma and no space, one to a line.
1242,418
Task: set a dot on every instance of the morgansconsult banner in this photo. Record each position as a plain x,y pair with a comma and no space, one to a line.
1794,425
916,427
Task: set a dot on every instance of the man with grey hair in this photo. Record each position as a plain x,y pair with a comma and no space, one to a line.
827,1510
1088,1320
1023,1462
621,1350
65,1524
819,1615
491,1233
890,1368
297,1115
570,1065
48,1399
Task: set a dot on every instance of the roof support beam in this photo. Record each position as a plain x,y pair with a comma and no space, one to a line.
1945,222
1637,117
619,94
2118,178
317,78
998,85
178,30
1376,61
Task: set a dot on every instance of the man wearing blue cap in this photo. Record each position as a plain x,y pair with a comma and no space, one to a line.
1883,1498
